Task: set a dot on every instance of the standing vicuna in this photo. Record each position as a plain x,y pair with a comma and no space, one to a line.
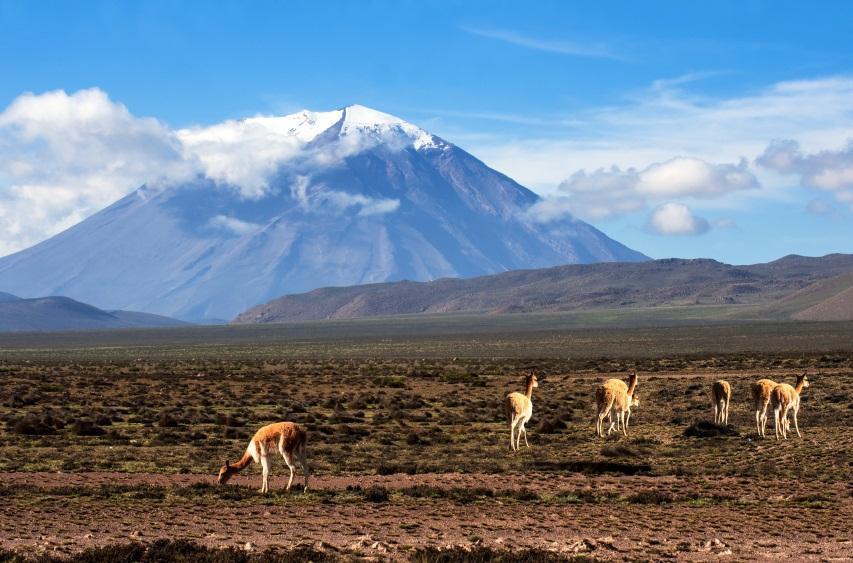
721,393
290,440
785,398
615,395
519,409
761,391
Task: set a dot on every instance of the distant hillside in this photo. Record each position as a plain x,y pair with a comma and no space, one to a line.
657,283
835,300
62,313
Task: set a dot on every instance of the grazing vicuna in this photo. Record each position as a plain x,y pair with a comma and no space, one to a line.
519,409
721,393
761,391
783,399
615,395
289,438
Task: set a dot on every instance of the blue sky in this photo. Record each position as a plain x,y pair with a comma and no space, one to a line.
538,92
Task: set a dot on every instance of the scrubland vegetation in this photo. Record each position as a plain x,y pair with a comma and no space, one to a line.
111,433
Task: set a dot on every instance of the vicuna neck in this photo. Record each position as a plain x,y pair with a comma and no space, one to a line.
801,382
529,389
632,384
244,461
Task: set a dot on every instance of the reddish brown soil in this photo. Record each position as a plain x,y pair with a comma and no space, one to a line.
615,530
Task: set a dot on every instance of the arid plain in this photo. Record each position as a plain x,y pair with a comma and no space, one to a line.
115,438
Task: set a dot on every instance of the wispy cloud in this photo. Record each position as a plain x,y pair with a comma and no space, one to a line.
665,120
513,118
585,49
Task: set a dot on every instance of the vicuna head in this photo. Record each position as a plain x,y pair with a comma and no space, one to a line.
804,379
635,400
531,380
225,473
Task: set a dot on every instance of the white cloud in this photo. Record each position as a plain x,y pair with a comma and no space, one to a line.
241,153
318,197
232,224
597,195
694,177
64,156
828,170
613,192
676,219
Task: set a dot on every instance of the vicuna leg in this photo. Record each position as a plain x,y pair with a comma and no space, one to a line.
288,459
524,429
607,411
265,464
609,415
758,421
796,424
726,422
514,434
303,461
776,422
716,412
627,418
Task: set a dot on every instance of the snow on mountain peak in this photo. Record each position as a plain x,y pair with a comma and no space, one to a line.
362,116
361,119
244,153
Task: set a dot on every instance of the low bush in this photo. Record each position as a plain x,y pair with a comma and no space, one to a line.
85,427
705,429
179,551
32,426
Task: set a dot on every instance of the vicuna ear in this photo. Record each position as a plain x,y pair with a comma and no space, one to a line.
227,464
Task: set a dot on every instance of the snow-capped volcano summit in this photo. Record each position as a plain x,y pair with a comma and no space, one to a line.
357,119
305,126
288,204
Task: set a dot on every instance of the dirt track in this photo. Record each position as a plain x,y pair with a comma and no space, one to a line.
606,530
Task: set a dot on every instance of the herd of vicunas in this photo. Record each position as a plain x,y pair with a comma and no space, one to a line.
614,396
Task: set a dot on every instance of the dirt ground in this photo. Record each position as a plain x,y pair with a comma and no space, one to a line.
765,521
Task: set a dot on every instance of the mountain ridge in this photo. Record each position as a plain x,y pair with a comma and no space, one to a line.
656,283
58,313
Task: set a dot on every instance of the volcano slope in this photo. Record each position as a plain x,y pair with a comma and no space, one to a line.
107,446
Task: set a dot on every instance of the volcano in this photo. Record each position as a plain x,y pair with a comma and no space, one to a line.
359,196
